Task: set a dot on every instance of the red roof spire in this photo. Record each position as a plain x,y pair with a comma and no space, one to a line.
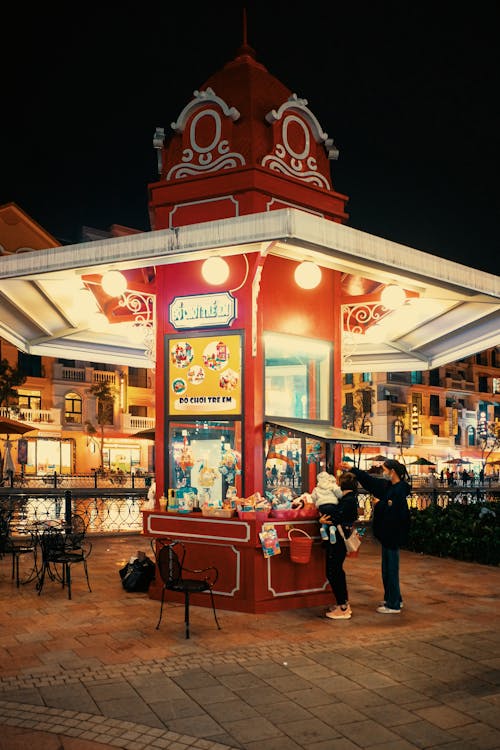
245,49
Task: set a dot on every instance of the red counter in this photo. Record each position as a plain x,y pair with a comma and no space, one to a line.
248,582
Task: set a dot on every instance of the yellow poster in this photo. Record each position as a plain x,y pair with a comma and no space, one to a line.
205,375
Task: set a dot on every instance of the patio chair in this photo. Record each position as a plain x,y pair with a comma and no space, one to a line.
64,550
170,562
25,544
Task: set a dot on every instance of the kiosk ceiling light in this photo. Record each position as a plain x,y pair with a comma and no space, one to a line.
215,270
114,283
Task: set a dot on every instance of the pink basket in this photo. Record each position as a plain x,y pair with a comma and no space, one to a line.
247,515
308,511
288,514
261,515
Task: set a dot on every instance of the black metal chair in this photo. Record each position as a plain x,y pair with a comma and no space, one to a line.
170,561
24,544
64,549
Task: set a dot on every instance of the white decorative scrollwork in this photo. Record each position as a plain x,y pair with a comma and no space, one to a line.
287,157
211,157
357,318
142,307
277,165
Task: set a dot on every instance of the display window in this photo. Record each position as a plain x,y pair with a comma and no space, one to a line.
205,459
121,458
46,456
298,382
291,460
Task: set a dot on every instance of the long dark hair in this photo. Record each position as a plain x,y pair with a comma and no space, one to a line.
399,468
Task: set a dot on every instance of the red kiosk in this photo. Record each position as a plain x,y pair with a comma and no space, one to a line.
248,365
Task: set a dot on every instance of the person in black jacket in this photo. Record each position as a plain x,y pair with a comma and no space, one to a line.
391,522
345,513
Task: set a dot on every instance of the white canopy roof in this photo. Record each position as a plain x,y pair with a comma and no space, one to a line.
45,309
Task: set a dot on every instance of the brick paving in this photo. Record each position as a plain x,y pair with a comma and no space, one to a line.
94,672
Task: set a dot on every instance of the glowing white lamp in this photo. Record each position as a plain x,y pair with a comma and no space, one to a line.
392,297
215,270
308,275
114,283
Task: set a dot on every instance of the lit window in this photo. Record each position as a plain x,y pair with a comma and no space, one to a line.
297,377
73,408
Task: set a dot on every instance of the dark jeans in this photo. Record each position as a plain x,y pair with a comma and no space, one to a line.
335,556
390,577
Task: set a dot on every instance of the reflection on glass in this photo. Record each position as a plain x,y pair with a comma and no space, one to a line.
291,460
297,377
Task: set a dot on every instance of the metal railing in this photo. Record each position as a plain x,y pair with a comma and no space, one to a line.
95,479
421,498
108,512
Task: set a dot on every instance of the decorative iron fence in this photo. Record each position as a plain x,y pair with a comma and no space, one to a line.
96,480
423,498
108,512
114,510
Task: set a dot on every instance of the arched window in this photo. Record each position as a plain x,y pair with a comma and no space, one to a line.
73,408
471,435
398,427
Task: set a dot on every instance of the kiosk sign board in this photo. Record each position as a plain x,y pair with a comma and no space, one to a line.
202,310
204,374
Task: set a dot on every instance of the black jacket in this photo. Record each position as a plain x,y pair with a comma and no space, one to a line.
345,513
391,515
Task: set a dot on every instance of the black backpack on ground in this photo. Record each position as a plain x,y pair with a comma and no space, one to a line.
137,574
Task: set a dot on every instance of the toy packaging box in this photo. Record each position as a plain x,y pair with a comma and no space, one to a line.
269,540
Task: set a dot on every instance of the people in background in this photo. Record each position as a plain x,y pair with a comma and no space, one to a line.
343,512
391,523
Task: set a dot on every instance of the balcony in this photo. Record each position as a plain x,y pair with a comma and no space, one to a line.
451,384
33,416
83,375
432,441
134,424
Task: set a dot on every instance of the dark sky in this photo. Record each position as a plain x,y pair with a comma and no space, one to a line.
408,91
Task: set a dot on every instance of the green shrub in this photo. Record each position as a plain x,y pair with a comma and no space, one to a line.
463,532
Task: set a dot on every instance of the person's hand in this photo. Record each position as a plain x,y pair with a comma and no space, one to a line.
325,519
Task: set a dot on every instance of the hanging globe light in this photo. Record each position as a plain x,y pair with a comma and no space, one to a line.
392,297
215,270
308,275
114,283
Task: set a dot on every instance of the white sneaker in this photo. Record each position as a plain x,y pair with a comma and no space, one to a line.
339,614
332,607
388,611
383,604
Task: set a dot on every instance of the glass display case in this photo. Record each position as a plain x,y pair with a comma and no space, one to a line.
291,460
205,458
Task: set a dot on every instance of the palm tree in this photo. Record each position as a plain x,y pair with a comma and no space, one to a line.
10,377
104,393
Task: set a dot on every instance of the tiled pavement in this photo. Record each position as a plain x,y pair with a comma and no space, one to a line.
93,672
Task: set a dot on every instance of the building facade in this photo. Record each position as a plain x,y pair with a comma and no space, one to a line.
438,414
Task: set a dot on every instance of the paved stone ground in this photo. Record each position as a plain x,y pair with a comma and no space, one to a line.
94,672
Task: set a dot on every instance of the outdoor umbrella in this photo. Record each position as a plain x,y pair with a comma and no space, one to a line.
378,457
422,462
9,467
457,461
148,434
13,427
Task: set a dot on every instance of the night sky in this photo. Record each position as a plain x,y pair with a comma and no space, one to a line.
408,91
